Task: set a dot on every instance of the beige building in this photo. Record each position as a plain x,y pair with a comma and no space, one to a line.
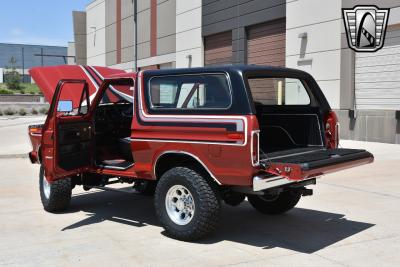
364,88
168,34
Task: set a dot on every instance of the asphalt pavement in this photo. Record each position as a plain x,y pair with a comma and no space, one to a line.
351,220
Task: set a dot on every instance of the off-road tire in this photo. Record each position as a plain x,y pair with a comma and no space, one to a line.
206,199
60,193
286,201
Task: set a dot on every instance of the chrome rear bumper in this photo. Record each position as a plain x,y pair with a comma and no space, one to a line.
264,182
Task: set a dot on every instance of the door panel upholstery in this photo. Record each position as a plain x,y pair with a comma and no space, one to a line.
74,145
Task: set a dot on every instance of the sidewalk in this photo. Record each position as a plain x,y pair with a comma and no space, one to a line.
14,135
381,151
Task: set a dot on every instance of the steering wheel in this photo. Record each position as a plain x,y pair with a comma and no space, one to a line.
122,100
124,112
128,113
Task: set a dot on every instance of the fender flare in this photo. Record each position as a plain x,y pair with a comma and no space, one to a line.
186,154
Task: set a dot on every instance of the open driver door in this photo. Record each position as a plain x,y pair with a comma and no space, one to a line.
67,135
67,132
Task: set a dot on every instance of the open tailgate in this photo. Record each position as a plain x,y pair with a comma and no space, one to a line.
301,164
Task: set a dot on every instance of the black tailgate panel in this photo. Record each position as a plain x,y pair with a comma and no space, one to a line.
312,158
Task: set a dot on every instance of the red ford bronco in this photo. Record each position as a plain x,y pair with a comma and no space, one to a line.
192,137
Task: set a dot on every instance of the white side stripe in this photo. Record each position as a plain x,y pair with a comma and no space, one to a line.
94,84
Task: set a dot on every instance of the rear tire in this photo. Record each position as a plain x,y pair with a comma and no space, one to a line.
286,201
55,196
233,198
187,205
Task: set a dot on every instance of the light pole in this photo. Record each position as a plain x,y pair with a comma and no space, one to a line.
23,64
136,27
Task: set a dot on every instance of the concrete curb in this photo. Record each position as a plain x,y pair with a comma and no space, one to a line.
14,156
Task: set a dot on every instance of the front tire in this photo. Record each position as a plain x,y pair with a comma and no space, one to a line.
55,196
282,203
187,205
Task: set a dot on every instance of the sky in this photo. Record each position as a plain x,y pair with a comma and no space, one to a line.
43,22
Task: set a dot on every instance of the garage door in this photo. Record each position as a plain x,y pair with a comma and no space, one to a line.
266,43
377,75
218,49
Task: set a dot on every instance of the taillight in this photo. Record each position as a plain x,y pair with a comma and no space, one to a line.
255,147
332,130
35,130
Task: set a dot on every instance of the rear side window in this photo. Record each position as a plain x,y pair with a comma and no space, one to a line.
279,91
210,91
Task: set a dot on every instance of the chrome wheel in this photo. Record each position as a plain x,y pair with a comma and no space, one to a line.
180,205
46,188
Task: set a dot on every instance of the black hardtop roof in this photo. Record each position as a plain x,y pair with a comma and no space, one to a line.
239,68
238,71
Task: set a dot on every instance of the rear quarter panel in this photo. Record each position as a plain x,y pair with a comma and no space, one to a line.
229,164
208,137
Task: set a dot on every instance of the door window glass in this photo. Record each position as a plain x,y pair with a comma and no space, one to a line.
75,97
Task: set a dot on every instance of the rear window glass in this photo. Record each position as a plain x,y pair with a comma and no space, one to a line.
209,91
279,91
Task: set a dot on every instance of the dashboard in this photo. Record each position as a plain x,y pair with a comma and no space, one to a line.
113,121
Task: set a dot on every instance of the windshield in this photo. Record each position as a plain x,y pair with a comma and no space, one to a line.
117,94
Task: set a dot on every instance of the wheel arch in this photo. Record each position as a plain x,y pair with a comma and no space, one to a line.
169,159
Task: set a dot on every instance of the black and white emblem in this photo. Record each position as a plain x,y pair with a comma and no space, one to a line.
365,27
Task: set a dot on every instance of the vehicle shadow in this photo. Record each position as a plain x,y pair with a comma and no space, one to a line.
301,230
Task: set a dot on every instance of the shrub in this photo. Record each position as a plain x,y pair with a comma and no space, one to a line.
34,111
11,76
9,111
22,112
1,112
43,111
13,80
5,91
22,92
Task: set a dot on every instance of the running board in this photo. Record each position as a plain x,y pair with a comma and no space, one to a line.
120,168
128,190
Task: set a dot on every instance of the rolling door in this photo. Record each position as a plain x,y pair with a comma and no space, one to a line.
377,75
266,43
218,49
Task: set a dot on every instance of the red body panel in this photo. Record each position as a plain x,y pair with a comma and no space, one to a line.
35,136
227,155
